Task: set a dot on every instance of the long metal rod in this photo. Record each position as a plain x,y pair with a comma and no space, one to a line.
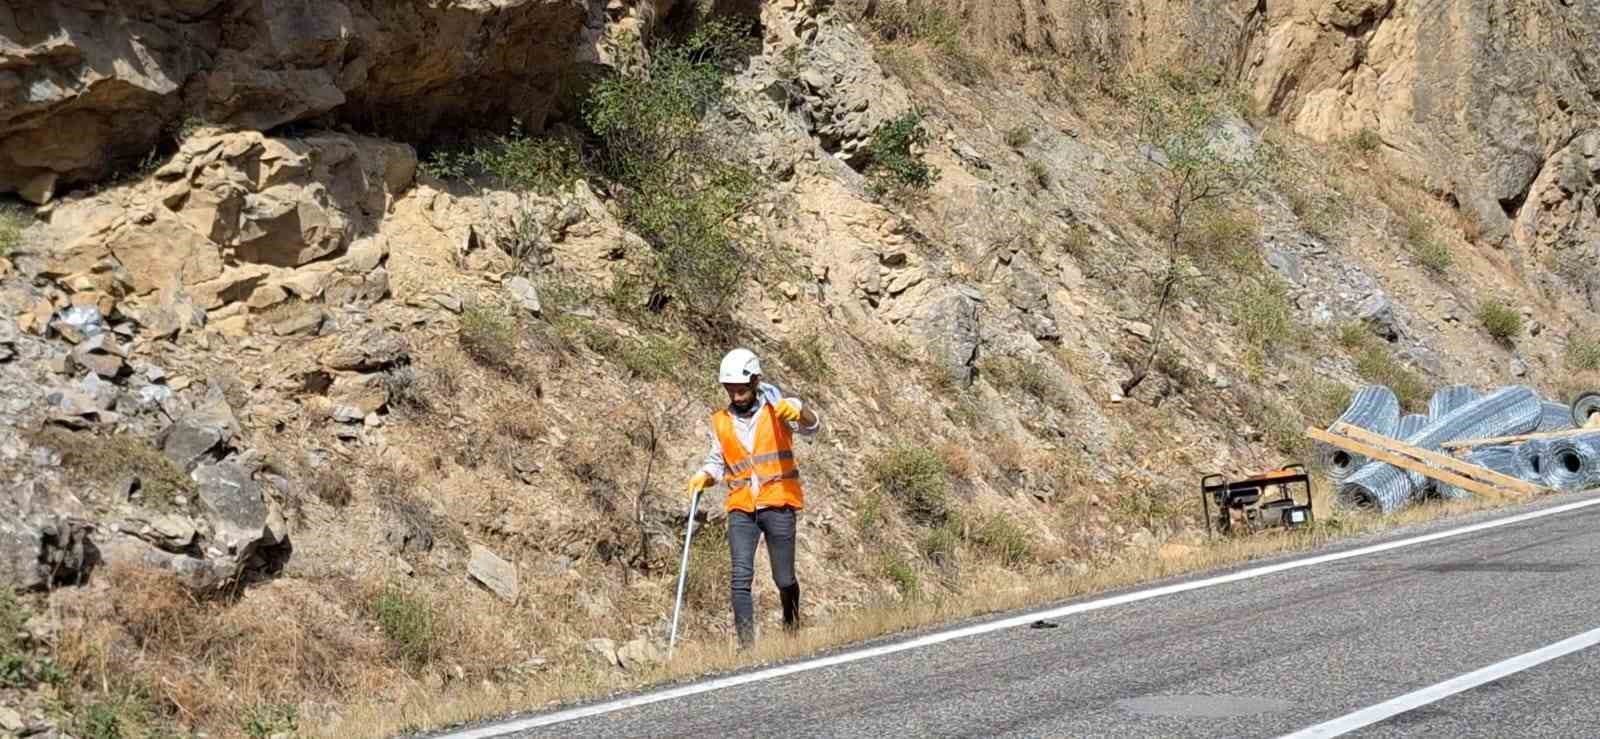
683,572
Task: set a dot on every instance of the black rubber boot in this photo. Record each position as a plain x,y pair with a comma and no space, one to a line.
747,634
791,607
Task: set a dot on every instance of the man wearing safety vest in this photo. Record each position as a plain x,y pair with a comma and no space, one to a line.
752,453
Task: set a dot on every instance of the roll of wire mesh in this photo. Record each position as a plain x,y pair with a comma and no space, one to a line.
1411,424
1374,408
1508,411
1530,456
1449,398
1501,459
1572,462
1554,417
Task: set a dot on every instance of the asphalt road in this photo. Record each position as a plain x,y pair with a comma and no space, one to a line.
1260,657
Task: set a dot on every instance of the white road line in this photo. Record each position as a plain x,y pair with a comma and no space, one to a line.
1434,693
573,714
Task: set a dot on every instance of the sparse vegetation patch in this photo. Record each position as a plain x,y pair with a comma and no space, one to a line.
12,221
917,478
1500,320
894,162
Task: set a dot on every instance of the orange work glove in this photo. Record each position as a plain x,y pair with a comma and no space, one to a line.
787,409
699,482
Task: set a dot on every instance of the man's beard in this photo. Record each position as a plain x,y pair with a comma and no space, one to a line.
745,406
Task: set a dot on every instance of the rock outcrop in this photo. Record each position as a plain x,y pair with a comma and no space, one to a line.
1475,100
88,87
239,219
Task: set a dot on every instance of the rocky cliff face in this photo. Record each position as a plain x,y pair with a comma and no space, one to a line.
1475,100
286,361
92,86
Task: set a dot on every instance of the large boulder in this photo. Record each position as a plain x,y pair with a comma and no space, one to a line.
237,514
88,87
950,326
201,432
366,350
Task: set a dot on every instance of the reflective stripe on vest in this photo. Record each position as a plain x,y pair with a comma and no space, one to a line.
772,462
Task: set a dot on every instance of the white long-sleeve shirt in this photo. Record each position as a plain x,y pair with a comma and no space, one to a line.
744,426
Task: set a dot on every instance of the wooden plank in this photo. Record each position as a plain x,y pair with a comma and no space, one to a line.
1441,460
1349,444
1470,443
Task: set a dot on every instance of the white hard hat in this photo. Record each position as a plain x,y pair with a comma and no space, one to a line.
738,366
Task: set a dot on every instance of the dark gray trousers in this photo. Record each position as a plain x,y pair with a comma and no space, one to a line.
744,530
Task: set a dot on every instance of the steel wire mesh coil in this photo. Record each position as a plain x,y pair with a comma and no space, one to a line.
1508,411
1531,459
1554,417
1374,408
1501,459
1449,398
1572,462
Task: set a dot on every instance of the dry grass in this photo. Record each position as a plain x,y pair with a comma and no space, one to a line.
100,463
331,486
421,708
157,655
158,658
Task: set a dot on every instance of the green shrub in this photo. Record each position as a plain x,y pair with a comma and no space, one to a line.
1261,311
584,331
14,661
125,716
1429,251
894,161
940,544
1003,540
1583,352
100,721
902,574
1078,242
917,478
1501,321
408,623
264,721
870,518
698,262
1323,401
1375,364
917,20
1353,335
513,160
1039,175
1434,255
489,336
1033,378
1019,137
1227,237
1320,214
12,221
1145,506
921,21
654,357
1281,428
680,192
1365,141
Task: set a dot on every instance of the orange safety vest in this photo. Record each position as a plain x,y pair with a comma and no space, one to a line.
772,461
